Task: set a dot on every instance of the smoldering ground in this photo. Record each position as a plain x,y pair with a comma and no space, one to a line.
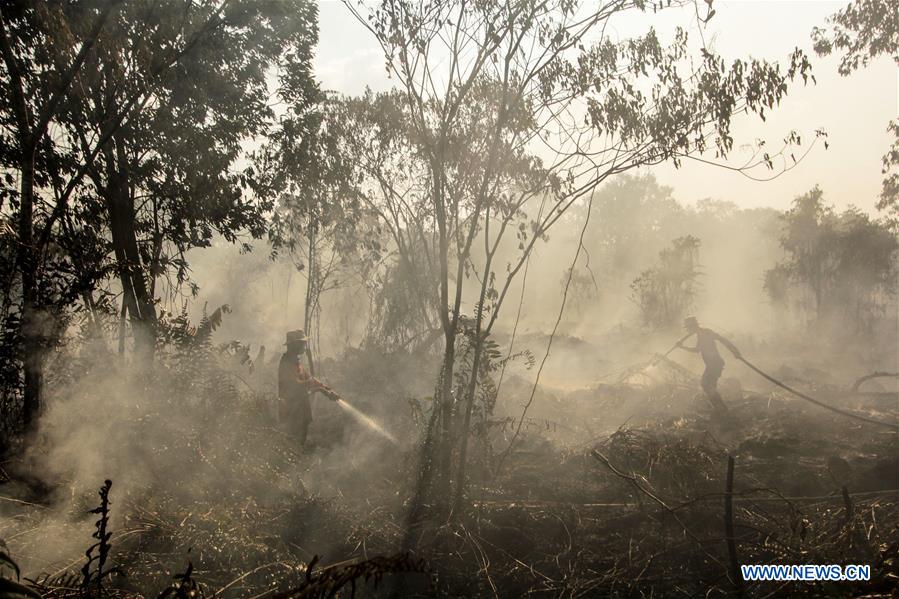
485,265
202,471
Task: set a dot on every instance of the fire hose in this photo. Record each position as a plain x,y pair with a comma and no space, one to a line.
798,394
815,401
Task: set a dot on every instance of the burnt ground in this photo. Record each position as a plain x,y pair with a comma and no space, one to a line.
576,509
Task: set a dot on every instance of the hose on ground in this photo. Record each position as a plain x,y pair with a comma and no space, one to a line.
821,404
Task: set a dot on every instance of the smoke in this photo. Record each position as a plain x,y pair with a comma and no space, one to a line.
193,442
203,430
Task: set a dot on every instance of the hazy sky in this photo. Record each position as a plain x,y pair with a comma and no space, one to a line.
853,110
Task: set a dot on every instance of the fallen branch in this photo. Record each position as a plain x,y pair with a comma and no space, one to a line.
633,480
873,375
331,580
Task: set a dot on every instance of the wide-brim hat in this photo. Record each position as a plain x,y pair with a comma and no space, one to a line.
691,321
298,336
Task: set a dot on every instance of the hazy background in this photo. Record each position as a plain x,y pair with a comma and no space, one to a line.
349,59
268,297
736,219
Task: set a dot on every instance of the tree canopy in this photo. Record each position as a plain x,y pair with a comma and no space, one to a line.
862,31
125,125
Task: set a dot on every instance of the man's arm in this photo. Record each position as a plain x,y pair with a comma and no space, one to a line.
314,385
733,348
694,350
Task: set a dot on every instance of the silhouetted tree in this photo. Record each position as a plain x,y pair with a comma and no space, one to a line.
665,293
844,262
44,47
864,30
320,220
123,123
482,86
169,179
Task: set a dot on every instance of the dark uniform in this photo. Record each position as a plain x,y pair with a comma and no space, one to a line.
707,347
294,384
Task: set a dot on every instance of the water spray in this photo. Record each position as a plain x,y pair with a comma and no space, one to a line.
366,420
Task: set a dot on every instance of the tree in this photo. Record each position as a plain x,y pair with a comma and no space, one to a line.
122,121
844,262
43,49
631,211
320,221
866,270
166,181
808,238
583,288
864,30
665,292
501,108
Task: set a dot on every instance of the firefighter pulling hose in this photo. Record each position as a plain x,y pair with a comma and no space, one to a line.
706,346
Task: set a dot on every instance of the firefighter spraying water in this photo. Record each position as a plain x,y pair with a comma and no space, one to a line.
296,386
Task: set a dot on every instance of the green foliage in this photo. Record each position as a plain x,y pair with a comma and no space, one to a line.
777,284
187,354
10,377
665,293
583,289
864,30
180,151
124,126
837,264
634,216
320,220
403,312
491,361
509,110
889,196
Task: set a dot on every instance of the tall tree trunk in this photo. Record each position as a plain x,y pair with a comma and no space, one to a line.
450,320
123,225
26,255
471,389
311,299
29,132
32,325
434,467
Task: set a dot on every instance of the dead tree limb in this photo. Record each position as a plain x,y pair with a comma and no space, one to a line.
633,480
873,375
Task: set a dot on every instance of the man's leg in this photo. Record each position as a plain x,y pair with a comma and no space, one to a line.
304,419
710,386
302,431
